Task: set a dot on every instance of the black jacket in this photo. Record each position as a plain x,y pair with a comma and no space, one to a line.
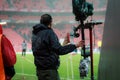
46,47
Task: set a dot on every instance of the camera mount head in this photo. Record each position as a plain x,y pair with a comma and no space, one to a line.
82,9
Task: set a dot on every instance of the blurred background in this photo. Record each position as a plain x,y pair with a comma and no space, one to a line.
21,15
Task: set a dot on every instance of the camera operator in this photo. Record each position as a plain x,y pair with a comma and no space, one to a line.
46,49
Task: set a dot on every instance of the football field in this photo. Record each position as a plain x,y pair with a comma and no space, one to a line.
68,70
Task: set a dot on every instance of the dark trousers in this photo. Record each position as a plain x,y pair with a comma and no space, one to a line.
48,75
23,52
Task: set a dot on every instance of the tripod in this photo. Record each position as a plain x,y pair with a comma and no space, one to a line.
89,26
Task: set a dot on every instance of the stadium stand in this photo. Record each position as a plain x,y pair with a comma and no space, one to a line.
14,37
41,5
21,16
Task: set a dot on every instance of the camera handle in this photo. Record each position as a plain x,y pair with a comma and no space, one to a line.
91,53
81,27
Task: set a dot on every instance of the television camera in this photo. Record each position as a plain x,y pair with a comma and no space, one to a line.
81,10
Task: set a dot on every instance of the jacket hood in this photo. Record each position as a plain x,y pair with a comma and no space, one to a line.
39,27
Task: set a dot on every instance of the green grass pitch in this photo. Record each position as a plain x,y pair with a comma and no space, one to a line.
68,70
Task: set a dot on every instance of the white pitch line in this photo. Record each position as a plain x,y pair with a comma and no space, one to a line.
25,74
29,61
22,66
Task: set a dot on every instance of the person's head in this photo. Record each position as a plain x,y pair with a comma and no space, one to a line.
46,19
23,41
